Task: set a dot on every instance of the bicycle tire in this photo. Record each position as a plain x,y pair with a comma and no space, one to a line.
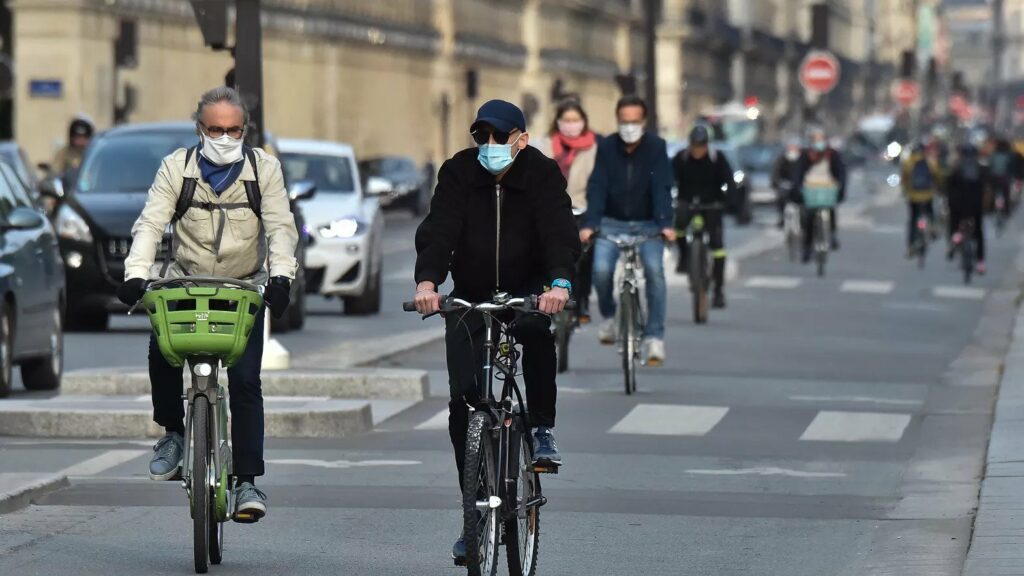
922,253
628,335
793,244
521,551
563,331
216,536
201,501
480,531
699,280
822,241
967,259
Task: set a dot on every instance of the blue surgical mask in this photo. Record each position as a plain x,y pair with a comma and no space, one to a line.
820,145
495,158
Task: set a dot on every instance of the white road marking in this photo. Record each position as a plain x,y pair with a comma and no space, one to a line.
101,463
296,398
867,287
438,421
917,307
829,426
670,420
865,399
959,292
343,464
774,282
71,442
767,471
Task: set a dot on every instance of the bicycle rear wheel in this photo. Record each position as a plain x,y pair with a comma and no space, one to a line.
627,332
479,485
522,533
699,280
967,258
823,240
201,501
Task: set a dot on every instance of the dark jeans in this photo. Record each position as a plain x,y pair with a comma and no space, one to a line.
464,346
955,217
808,223
245,393
918,209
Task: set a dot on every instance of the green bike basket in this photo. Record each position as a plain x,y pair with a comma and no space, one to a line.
202,321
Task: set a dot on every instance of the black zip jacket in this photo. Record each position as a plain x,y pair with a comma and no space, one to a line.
702,178
539,240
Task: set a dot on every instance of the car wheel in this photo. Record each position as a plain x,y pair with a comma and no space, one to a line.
6,351
45,373
368,302
87,319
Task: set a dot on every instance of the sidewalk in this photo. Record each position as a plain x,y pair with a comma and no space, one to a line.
997,544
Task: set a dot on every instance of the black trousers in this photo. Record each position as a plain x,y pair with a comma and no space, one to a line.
808,222
957,216
916,210
464,347
245,393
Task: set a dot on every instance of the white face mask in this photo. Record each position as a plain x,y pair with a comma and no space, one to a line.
792,155
631,133
221,151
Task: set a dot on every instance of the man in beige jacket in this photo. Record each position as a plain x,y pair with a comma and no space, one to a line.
239,212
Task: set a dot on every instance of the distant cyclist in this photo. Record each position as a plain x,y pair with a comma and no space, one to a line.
785,174
921,179
821,165
1000,171
630,192
966,190
705,176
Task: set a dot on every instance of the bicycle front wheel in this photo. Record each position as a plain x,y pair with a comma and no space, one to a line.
628,333
479,486
699,280
967,259
522,535
201,501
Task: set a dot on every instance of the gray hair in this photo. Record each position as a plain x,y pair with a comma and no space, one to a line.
221,94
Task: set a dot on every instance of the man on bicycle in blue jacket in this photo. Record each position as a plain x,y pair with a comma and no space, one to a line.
500,222
630,192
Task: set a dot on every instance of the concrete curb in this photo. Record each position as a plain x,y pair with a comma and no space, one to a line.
355,383
121,417
18,490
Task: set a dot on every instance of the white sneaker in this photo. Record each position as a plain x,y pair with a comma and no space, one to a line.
654,352
608,332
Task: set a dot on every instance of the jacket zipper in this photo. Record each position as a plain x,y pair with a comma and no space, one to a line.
497,238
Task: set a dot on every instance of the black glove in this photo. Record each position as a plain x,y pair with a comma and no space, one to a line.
278,295
131,291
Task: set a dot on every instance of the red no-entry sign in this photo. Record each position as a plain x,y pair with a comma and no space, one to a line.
906,91
819,72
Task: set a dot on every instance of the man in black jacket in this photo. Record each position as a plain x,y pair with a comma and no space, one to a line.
500,221
703,178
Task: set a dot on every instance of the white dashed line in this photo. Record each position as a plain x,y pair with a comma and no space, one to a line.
774,282
670,420
829,426
867,287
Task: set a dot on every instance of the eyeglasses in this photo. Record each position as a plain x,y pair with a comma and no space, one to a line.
216,131
483,135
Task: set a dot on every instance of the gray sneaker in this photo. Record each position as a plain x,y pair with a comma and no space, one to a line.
250,503
166,463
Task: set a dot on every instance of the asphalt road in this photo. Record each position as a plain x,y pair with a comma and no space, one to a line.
817,426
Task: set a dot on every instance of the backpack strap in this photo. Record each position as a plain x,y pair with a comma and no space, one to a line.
252,187
185,196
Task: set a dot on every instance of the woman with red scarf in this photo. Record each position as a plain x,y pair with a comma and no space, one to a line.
573,146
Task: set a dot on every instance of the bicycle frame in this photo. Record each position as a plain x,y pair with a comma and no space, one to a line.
219,476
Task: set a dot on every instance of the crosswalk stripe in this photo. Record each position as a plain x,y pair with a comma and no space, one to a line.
835,426
774,282
867,287
959,292
438,421
670,420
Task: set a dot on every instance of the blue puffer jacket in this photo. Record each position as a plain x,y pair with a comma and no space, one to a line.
630,187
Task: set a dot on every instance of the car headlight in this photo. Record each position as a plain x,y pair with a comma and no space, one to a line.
738,176
71,226
342,228
893,150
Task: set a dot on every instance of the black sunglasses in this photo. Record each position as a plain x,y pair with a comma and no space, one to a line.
483,135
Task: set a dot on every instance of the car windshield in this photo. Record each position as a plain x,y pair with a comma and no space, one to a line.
389,166
331,174
128,162
758,157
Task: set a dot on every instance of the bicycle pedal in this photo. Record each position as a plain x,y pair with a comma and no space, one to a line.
246,517
546,468
459,561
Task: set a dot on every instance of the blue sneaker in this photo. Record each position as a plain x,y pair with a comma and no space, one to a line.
166,463
250,503
459,552
545,452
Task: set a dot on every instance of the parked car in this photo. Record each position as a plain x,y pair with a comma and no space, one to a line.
346,226
32,290
15,156
757,161
95,217
401,184
737,204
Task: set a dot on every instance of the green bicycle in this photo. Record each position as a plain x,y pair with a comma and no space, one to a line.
206,322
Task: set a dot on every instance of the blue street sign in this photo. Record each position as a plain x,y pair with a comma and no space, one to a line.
45,88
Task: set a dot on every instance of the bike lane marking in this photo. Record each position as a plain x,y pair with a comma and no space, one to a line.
670,420
836,426
102,462
774,282
867,287
959,292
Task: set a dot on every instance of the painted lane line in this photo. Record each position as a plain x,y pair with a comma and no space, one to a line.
774,282
438,421
867,287
831,426
863,399
917,307
344,464
959,292
670,420
767,471
101,463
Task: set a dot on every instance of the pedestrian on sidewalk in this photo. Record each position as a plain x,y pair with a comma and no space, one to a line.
630,192
222,174
574,146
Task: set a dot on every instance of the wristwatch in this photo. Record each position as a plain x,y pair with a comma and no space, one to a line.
562,283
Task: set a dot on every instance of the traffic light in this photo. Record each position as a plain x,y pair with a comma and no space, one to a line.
212,16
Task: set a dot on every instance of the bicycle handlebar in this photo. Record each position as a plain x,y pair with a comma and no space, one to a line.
624,240
157,284
453,304
711,207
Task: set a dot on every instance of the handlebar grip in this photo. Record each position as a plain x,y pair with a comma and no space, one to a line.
570,304
408,306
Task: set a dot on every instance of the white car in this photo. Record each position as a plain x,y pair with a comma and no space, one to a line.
345,226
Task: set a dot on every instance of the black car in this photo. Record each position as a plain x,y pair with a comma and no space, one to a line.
398,182
32,290
95,218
